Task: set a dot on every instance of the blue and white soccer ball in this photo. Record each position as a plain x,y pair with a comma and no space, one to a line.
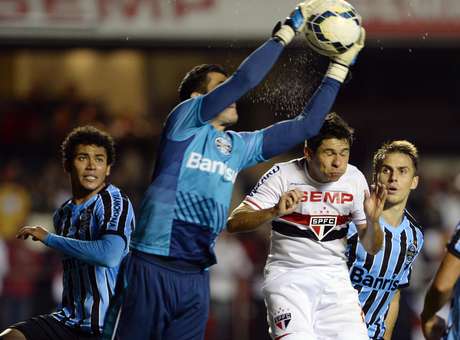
333,27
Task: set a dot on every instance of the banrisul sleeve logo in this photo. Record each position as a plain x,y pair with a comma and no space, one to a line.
224,145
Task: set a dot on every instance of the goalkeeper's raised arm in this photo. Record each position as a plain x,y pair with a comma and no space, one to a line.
284,135
252,70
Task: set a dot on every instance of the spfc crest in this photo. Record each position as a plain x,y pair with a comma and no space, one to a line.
224,145
282,320
322,225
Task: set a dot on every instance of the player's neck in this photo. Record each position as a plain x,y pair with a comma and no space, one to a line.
218,126
393,214
81,195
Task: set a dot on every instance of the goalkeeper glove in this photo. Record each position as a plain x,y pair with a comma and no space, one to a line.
295,22
338,68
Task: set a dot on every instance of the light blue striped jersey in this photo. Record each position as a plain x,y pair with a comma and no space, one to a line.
454,315
377,277
89,288
187,202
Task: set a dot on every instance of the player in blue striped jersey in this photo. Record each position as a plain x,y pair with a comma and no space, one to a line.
187,202
93,231
445,287
378,278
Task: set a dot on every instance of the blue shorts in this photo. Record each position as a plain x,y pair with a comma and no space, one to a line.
158,299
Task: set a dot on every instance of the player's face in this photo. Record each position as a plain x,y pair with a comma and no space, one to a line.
229,116
330,160
89,168
398,174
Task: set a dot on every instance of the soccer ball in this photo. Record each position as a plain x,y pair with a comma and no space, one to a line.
333,27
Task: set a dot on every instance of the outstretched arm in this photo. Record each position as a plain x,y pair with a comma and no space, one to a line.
244,218
283,136
106,251
437,296
247,76
254,68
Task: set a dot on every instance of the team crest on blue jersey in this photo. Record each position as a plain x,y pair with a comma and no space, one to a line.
322,225
282,320
224,145
85,219
411,253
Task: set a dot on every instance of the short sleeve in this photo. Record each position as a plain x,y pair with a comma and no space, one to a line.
58,219
358,215
115,215
267,191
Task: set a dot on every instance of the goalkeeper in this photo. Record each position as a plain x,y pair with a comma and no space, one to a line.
163,292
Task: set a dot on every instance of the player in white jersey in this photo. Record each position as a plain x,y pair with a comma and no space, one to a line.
307,290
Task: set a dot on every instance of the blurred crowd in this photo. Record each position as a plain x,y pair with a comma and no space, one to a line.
33,184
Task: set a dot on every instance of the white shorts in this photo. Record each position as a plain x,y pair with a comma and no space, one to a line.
313,304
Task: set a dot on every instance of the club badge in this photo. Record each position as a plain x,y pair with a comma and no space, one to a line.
224,145
411,253
322,225
282,320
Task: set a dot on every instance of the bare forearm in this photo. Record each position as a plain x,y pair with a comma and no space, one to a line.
435,299
244,220
371,237
392,316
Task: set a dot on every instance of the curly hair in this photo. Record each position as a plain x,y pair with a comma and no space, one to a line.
87,135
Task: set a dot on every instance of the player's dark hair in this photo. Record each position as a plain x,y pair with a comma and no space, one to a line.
333,127
397,146
87,135
196,80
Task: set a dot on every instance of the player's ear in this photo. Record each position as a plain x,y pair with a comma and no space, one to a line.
375,176
67,166
308,153
107,172
414,183
195,94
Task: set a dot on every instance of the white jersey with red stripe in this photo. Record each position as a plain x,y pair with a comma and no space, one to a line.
315,234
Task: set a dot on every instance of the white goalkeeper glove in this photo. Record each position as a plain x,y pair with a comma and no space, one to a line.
295,22
338,68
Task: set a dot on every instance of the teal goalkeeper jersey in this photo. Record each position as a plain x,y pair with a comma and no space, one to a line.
187,202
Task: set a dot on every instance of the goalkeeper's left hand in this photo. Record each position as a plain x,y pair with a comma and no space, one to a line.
295,22
338,68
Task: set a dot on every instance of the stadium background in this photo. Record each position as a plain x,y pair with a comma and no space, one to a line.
117,65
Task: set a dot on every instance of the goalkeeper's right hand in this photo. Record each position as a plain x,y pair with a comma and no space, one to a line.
295,22
338,68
